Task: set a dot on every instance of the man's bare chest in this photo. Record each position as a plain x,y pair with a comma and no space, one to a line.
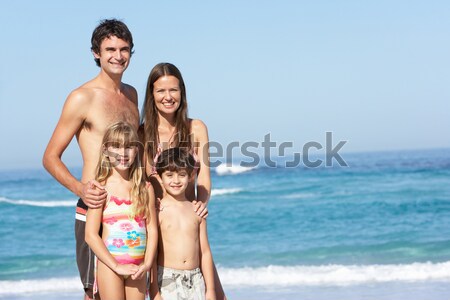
100,117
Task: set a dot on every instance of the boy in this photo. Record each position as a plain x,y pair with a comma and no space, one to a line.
183,246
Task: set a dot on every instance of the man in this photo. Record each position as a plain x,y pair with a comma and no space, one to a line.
87,113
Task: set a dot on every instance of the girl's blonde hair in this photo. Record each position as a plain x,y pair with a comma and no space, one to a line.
123,134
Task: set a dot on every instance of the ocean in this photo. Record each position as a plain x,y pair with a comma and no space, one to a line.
376,229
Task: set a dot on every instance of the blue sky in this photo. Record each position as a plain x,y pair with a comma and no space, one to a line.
376,74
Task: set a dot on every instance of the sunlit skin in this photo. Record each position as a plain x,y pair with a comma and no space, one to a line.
167,95
114,55
87,113
121,157
111,283
175,183
183,239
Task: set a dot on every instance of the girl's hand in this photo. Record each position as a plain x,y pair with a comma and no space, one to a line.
128,269
143,269
200,208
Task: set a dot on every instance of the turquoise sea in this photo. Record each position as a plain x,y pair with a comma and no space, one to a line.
371,230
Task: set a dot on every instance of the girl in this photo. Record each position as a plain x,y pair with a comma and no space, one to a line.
128,240
165,124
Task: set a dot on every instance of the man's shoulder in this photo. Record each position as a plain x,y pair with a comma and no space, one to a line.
84,93
130,92
79,97
128,86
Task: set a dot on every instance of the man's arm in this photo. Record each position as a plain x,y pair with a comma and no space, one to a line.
72,118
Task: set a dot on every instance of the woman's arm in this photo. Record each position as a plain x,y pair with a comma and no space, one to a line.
95,242
151,176
201,141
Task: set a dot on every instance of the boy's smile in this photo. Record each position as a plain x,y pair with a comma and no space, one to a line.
175,182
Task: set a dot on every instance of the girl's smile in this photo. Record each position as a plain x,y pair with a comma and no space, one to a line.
121,156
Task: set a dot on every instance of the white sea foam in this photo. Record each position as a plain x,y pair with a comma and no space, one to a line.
219,192
327,275
68,284
335,274
50,203
225,169
298,196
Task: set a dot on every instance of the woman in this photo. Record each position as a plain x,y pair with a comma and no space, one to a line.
165,124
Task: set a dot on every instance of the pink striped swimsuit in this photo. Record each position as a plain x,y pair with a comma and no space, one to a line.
126,236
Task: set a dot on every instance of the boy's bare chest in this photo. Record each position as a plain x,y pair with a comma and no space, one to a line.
179,221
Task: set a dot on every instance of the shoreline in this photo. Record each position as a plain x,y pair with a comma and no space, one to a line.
425,290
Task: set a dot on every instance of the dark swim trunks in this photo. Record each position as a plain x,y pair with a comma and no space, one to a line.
85,256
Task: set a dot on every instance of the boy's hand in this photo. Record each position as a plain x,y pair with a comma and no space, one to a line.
157,297
210,295
200,208
93,194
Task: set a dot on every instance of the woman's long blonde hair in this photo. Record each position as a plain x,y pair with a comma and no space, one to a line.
124,134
